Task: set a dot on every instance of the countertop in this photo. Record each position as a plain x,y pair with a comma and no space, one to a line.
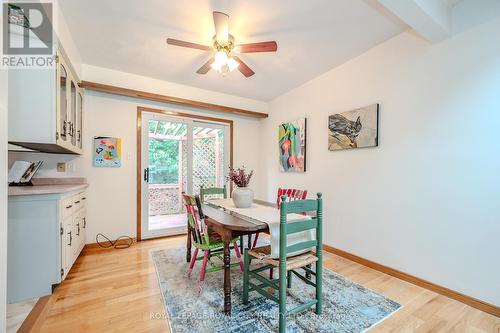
45,189
49,186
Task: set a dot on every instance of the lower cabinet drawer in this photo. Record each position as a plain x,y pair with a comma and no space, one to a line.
67,207
73,204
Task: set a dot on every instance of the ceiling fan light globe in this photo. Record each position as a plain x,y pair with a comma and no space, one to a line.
224,70
232,64
216,67
220,58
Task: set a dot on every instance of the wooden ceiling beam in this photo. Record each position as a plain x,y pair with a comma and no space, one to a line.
169,99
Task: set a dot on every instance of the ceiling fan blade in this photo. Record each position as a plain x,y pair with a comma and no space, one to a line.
243,68
182,43
221,23
206,66
271,46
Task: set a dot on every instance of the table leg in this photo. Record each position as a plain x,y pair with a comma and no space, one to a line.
227,278
249,241
241,244
188,245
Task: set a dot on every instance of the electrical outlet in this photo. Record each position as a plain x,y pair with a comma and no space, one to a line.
61,167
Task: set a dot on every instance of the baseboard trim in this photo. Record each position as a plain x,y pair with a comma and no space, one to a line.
36,317
471,301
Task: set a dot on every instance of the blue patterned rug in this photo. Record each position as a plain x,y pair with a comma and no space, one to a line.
347,306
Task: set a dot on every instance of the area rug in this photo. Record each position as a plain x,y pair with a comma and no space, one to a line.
347,306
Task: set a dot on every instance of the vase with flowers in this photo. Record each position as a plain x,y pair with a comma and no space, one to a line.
242,195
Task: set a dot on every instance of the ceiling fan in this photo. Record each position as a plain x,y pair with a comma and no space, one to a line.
224,59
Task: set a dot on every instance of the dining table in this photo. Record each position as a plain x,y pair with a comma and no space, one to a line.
230,226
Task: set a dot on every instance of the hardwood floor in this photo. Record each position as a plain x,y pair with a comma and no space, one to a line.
117,290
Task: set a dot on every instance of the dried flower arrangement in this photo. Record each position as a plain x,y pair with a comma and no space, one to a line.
239,176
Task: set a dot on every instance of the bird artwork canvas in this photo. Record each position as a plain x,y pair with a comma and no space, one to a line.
354,129
292,146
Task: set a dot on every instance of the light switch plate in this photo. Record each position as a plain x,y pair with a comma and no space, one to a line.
61,167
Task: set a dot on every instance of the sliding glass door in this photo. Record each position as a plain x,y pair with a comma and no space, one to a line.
178,155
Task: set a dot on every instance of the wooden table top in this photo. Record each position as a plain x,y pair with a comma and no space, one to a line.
232,222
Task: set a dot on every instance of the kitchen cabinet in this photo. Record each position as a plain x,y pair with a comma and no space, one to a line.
46,108
46,235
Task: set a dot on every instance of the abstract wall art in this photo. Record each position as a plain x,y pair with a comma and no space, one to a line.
292,146
107,152
354,129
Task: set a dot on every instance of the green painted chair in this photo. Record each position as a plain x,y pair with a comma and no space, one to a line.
205,240
212,191
217,191
288,265
204,192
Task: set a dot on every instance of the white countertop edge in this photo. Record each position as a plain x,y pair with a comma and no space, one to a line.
15,191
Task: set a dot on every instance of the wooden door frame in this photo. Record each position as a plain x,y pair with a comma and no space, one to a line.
140,110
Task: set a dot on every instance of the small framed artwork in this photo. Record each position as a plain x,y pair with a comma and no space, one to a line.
292,146
354,129
107,152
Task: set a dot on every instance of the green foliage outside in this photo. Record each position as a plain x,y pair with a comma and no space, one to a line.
163,161
164,156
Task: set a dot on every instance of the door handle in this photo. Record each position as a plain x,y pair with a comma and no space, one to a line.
146,175
70,238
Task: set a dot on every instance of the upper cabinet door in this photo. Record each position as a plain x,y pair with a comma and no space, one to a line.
79,120
62,104
48,120
72,112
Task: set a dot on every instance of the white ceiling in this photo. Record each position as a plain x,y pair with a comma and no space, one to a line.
313,36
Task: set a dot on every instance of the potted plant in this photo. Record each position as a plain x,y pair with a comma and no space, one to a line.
242,195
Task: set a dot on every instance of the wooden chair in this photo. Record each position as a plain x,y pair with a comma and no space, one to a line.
220,191
214,191
204,192
291,195
288,265
205,240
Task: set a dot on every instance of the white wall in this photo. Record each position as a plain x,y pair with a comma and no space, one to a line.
426,200
49,166
138,82
3,193
112,192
